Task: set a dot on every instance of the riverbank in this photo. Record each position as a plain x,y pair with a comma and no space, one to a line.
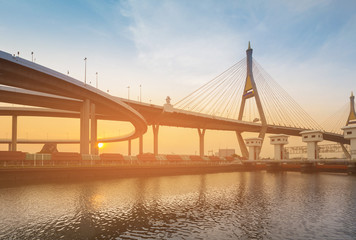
21,174
115,171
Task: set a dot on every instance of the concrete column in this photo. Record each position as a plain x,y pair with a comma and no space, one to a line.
254,145
129,147
14,134
84,127
94,131
155,128
347,154
242,145
279,141
201,133
312,137
350,133
140,145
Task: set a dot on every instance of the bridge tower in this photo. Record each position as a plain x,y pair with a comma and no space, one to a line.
350,133
352,116
350,128
250,91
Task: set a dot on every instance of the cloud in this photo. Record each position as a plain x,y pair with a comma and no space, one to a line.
172,37
301,6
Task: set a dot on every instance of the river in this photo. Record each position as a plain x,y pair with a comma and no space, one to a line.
238,205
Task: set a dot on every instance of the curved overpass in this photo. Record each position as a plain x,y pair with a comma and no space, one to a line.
58,91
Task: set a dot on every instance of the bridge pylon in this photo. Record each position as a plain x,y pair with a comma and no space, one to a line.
250,91
352,116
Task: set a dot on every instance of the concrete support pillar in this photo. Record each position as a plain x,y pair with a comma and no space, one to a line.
201,133
129,147
254,145
155,128
312,137
242,145
140,145
94,131
14,134
279,141
84,127
350,133
347,154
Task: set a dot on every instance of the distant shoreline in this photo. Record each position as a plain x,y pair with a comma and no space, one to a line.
23,175
117,171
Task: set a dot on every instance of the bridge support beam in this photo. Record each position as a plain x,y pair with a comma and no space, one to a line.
242,145
347,154
14,133
155,128
201,133
84,127
94,131
129,147
140,145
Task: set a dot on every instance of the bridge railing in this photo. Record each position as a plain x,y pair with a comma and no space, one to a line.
86,160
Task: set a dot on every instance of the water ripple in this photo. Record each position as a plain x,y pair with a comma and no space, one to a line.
254,205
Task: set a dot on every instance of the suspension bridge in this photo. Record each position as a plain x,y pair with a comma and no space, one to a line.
244,98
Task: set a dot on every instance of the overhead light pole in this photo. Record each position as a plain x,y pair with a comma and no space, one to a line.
85,70
32,56
128,92
96,79
140,93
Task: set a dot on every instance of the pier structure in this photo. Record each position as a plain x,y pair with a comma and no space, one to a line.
254,145
279,140
312,137
350,133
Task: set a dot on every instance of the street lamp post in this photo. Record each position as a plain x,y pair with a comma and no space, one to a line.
140,93
96,79
32,56
128,92
85,70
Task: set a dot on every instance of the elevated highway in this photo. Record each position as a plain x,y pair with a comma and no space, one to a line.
180,118
36,85
57,95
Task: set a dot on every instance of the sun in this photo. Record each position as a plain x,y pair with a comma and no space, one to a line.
100,145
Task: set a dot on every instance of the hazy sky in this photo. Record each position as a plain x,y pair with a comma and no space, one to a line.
173,47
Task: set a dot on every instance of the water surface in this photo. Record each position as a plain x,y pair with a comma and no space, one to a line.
251,205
